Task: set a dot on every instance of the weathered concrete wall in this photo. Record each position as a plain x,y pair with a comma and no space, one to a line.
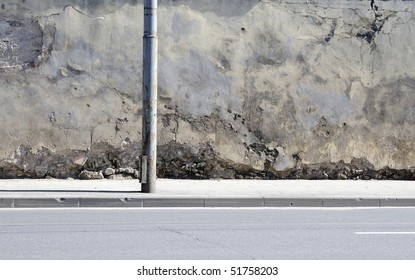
248,88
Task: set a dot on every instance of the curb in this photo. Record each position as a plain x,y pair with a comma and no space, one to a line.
203,202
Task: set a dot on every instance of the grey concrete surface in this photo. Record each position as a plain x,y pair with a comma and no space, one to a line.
206,193
208,233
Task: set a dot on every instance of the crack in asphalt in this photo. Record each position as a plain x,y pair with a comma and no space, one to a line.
205,241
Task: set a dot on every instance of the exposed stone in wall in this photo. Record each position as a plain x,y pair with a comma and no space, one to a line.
21,41
83,164
247,89
192,163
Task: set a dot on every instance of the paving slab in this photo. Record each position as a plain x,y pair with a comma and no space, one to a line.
45,202
110,202
234,202
6,202
293,202
350,202
397,202
174,202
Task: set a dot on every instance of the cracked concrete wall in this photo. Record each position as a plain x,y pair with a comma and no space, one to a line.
247,88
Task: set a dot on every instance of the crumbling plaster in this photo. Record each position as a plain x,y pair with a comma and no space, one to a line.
247,88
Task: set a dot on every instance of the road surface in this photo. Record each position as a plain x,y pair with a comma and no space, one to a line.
127,234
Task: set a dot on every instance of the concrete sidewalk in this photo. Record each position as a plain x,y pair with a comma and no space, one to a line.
206,193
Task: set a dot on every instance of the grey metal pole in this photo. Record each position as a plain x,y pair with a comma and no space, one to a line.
149,129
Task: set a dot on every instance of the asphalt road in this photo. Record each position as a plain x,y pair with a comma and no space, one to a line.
151,234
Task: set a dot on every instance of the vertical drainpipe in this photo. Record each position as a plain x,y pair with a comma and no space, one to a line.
149,128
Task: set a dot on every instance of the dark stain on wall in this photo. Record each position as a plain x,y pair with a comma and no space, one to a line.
392,102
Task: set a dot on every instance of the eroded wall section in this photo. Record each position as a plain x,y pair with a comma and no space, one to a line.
247,89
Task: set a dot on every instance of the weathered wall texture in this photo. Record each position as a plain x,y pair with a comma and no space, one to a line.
247,88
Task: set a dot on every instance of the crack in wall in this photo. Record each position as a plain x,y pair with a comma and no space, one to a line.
75,9
376,26
331,34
